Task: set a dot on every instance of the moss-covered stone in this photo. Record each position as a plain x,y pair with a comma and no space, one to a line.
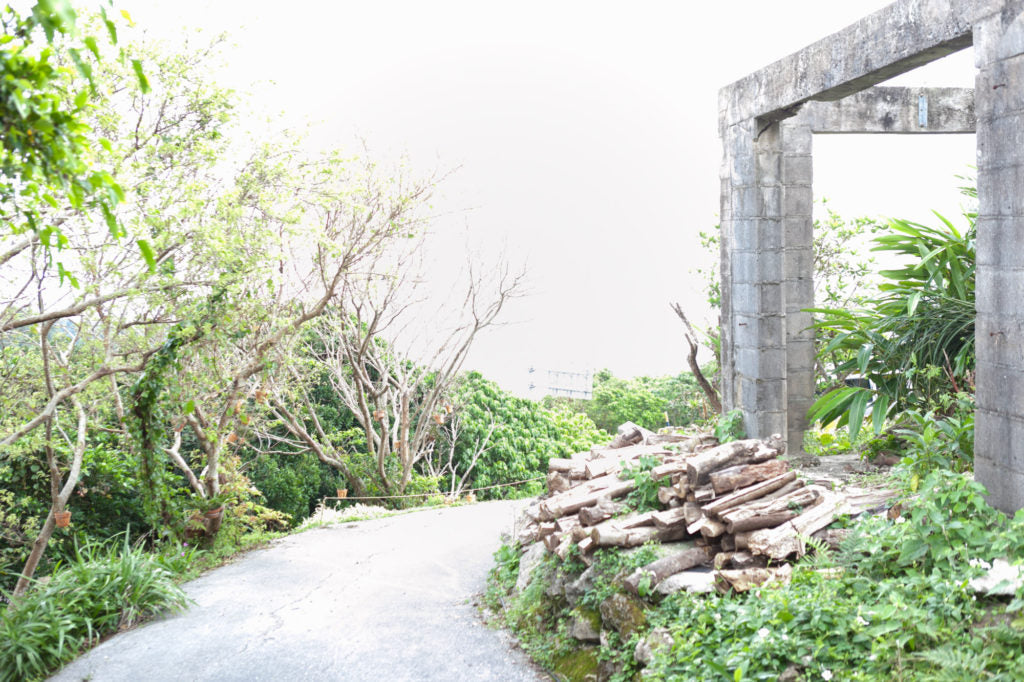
586,625
577,666
623,614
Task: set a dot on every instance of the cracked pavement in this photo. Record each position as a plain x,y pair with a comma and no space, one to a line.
387,599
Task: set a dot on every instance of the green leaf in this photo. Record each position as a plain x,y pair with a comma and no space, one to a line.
90,43
147,254
190,407
141,75
878,412
857,408
864,357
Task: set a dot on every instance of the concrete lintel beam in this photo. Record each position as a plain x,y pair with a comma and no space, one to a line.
895,39
895,110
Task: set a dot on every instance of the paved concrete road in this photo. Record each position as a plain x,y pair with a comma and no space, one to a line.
388,599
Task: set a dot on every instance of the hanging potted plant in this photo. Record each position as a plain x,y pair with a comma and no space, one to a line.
342,493
439,419
62,518
378,415
448,409
213,515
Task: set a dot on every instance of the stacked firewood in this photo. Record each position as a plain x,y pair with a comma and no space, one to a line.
739,504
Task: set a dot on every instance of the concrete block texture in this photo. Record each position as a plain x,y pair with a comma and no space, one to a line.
996,27
999,419
999,292
891,41
998,139
1005,486
998,427
993,233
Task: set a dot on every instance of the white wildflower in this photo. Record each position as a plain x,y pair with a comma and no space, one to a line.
826,674
763,632
862,622
900,519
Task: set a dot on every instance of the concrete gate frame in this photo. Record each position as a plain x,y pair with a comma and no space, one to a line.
767,121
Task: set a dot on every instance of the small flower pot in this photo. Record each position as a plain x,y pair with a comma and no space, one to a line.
379,415
213,519
232,437
62,518
439,419
342,493
447,409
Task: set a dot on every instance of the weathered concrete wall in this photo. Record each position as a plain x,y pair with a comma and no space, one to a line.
891,41
767,122
999,434
767,268
909,111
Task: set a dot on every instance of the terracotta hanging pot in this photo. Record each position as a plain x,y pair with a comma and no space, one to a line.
342,493
213,518
439,419
379,415
62,518
232,437
448,409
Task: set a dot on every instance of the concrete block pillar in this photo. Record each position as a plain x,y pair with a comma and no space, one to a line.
999,106
767,276
754,367
797,276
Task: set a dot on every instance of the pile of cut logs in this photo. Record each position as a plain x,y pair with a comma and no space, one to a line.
740,504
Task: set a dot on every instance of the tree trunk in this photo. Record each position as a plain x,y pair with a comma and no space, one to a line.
749,493
751,451
602,511
768,514
60,495
691,360
779,543
609,535
571,501
744,475
663,568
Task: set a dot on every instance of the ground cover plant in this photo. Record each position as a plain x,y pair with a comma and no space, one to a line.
894,603
102,589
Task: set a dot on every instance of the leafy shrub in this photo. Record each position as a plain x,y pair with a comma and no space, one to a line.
914,342
616,401
102,590
934,442
644,497
899,609
729,426
525,435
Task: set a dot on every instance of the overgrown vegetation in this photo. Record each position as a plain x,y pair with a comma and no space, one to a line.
911,345
895,602
892,604
102,589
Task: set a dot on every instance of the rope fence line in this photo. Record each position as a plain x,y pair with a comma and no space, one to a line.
323,501
436,492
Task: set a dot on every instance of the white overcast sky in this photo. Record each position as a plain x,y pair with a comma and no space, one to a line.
585,134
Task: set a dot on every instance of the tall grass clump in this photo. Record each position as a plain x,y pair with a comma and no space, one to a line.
103,589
